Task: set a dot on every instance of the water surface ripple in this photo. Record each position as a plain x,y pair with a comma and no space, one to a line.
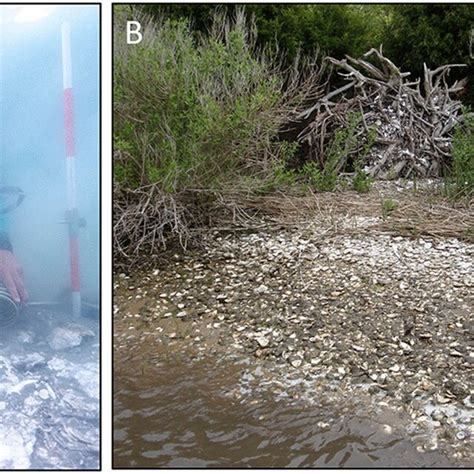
192,415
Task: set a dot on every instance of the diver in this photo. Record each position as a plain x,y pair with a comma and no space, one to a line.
11,272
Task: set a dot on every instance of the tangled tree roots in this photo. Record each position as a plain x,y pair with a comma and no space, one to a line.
146,219
414,124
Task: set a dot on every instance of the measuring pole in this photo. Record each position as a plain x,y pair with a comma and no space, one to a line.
72,214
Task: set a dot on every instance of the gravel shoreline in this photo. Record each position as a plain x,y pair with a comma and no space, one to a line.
382,317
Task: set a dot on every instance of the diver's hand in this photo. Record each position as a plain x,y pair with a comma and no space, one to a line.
11,275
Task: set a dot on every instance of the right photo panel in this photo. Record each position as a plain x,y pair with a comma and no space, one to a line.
293,235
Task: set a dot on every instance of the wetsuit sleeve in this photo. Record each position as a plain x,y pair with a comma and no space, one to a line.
5,243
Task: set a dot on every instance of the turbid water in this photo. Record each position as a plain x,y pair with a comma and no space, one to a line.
212,413
49,392
305,347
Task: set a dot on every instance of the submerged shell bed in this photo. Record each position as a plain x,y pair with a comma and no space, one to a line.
49,392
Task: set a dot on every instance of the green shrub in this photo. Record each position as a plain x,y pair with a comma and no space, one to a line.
434,34
344,144
196,117
460,181
278,177
196,113
412,34
322,180
334,29
388,206
361,181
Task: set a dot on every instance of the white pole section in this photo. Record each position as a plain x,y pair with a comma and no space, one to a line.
72,214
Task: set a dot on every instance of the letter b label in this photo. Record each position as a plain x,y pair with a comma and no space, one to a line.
133,32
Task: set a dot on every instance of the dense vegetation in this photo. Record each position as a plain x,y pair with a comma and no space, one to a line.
411,34
461,178
196,113
194,118
201,102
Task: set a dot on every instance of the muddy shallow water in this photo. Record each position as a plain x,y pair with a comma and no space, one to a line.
350,350
217,414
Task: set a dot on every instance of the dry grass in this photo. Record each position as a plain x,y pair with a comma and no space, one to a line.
416,213
327,215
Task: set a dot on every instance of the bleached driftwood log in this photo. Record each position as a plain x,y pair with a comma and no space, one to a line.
414,122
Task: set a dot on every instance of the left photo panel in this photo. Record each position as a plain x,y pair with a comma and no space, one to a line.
50,236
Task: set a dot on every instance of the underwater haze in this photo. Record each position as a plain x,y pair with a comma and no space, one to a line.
33,147
49,358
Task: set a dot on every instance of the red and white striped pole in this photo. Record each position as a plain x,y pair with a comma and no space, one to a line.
72,213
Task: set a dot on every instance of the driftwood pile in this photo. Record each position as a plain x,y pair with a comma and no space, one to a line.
414,122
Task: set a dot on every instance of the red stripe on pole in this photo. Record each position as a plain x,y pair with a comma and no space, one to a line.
69,122
74,253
